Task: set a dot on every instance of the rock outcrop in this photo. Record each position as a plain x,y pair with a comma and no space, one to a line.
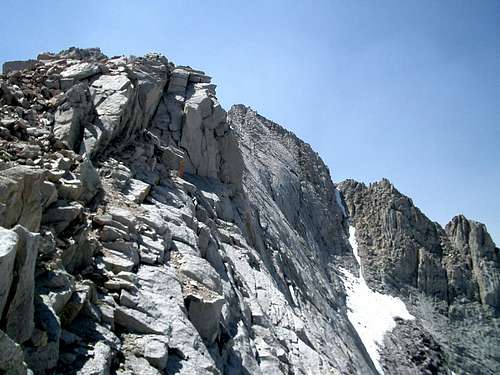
449,275
145,230
474,264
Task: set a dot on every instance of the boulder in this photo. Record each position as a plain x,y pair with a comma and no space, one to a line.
199,269
99,362
91,182
81,71
109,233
20,314
201,147
11,95
12,66
70,117
61,215
110,96
123,216
152,250
178,82
75,304
116,262
205,314
8,246
126,249
48,193
154,348
20,197
173,157
137,191
139,322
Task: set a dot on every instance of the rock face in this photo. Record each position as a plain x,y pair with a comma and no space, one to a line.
474,263
450,276
398,245
145,230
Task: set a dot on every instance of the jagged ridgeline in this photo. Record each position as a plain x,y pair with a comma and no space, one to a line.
144,230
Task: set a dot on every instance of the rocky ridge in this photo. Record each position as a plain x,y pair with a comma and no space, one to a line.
145,230
450,276
150,251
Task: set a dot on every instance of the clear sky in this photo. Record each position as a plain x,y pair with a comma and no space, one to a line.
408,90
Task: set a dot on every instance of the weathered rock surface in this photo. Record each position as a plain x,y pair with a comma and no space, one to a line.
145,230
454,270
473,267
19,320
11,360
8,248
398,245
410,341
20,198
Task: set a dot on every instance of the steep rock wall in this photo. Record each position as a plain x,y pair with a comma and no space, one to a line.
154,251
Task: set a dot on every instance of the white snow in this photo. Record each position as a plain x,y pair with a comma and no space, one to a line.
339,202
354,245
371,313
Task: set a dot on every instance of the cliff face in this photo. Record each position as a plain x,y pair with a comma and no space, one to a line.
144,230
158,235
449,277
401,247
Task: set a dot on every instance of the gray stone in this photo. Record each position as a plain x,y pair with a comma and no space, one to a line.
123,216
20,198
20,314
49,194
12,358
125,248
200,270
473,246
117,262
154,348
205,314
408,252
178,82
91,182
46,356
200,144
60,217
75,304
8,246
12,66
137,365
108,233
81,71
137,191
99,362
139,322
71,117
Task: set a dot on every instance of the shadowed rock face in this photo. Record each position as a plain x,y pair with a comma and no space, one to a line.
145,230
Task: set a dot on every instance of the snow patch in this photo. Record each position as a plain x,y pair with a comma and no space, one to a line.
354,245
371,313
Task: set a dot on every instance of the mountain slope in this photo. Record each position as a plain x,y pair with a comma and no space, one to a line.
145,230
448,277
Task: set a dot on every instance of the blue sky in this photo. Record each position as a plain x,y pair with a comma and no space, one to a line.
408,90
